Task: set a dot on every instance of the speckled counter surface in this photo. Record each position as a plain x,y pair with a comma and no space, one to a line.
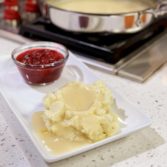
145,148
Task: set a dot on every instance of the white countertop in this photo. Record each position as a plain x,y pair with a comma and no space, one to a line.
145,148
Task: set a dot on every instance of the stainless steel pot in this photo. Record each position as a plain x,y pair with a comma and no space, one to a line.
129,22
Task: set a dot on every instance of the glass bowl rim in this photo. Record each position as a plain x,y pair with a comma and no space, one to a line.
50,45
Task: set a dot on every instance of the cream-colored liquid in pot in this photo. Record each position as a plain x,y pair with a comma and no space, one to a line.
52,143
102,6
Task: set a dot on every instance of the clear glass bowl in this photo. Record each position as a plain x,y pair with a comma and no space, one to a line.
40,73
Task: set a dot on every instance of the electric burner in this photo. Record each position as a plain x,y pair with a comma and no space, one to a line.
108,49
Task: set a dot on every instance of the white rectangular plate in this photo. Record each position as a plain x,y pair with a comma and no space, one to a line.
24,100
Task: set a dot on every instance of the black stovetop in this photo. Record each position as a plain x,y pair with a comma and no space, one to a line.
109,48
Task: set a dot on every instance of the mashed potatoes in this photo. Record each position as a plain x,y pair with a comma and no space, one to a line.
78,111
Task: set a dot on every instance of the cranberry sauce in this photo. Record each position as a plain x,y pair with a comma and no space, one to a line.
39,57
41,65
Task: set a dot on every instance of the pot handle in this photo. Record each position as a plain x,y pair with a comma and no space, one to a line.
161,8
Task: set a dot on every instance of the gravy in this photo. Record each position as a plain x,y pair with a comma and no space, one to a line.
52,143
103,6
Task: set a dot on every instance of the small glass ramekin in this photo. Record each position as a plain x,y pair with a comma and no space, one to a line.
40,74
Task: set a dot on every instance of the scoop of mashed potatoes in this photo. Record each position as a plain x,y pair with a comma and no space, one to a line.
78,111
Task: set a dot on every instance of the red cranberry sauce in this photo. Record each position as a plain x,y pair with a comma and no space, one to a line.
39,57
39,74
